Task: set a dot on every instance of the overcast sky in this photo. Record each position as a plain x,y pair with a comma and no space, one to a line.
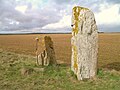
21,16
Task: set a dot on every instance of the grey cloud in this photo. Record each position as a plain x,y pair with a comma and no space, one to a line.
32,18
119,10
62,1
7,9
109,28
113,1
49,13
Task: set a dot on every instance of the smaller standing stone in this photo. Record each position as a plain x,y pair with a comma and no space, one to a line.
47,57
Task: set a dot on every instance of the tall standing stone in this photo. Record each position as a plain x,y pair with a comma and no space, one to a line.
84,43
47,57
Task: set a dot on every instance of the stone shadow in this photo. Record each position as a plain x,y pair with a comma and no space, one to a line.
111,66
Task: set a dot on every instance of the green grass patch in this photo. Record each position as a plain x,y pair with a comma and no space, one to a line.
18,72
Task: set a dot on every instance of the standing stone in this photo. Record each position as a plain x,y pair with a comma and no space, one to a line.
47,57
84,43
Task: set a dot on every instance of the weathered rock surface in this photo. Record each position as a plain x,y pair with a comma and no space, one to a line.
84,43
47,57
26,71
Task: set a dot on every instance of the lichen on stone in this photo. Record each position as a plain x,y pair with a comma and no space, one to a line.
76,14
75,57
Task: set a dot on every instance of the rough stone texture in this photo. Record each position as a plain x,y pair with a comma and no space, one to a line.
47,57
26,71
84,43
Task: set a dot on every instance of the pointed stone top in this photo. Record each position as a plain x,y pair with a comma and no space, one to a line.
80,8
81,18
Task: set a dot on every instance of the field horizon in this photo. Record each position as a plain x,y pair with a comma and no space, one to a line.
108,55
50,33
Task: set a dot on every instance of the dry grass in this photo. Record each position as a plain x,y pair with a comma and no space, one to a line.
109,47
